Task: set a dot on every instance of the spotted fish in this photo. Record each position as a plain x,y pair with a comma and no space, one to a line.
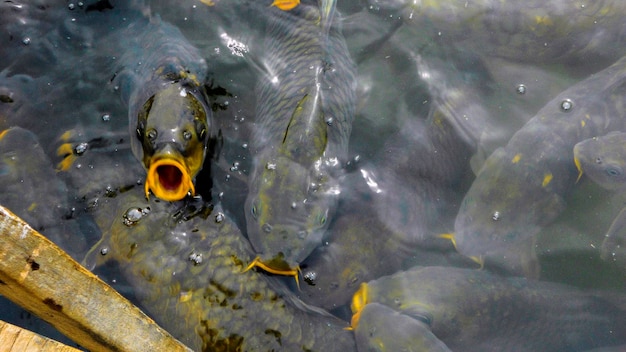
186,267
474,310
521,186
160,77
603,160
305,108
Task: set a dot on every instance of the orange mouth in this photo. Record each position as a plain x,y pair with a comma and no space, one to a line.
169,180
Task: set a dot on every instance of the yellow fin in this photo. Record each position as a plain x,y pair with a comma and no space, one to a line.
448,236
580,169
289,272
359,300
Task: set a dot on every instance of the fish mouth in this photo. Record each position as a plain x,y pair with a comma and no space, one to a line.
168,179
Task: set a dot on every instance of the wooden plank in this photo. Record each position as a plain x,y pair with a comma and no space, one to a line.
15,339
42,278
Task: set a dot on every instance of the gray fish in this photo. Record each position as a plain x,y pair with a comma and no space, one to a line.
383,329
530,31
521,186
603,160
31,189
186,264
397,206
305,108
474,310
160,77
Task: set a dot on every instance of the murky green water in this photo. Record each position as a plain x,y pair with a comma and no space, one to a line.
439,88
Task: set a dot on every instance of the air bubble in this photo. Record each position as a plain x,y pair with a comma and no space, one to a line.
106,117
219,217
80,148
132,216
520,89
310,277
496,216
567,105
270,166
267,228
26,41
104,250
329,121
196,258
71,6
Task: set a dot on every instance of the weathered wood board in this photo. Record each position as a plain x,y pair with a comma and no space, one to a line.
42,278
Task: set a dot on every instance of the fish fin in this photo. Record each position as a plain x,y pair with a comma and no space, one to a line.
614,245
327,13
295,273
448,236
579,168
95,256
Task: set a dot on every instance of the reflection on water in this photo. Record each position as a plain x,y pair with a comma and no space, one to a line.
444,92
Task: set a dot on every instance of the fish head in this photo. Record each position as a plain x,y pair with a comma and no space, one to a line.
502,211
172,135
603,160
287,211
382,329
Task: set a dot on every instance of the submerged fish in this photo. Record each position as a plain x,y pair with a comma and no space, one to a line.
160,76
530,31
185,262
474,310
397,205
521,186
305,108
30,188
382,329
603,160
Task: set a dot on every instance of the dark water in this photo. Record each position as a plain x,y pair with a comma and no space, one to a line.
439,89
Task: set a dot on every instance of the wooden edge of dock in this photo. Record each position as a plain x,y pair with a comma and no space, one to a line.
43,279
16,339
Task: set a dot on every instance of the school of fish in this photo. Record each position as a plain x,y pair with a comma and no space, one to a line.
316,175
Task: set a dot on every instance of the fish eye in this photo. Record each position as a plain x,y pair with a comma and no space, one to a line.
152,134
140,130
321,219
200,129
254,210
186,135
614,171
426,318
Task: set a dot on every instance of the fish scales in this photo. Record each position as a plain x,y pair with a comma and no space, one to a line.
474,310
296,48
305,109
189,275
522,185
